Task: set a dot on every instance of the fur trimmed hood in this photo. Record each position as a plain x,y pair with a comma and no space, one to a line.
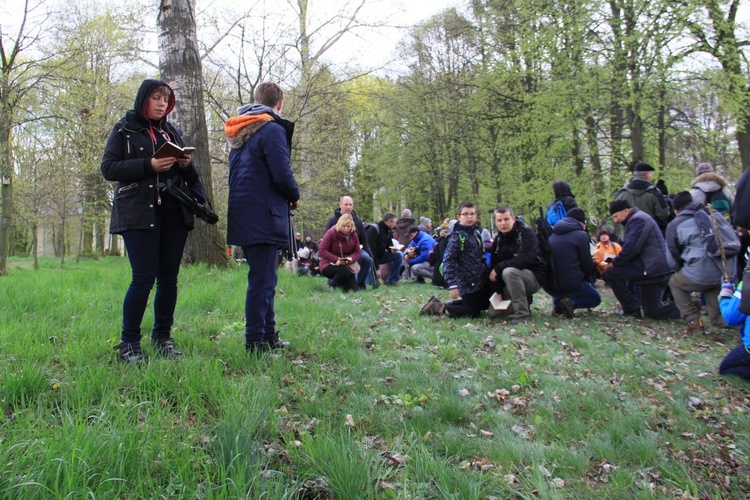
240,128
710,177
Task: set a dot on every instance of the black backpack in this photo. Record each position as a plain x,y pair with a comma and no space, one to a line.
543,231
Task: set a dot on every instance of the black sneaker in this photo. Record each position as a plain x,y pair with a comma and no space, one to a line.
130,352
165,348
258,347
277,343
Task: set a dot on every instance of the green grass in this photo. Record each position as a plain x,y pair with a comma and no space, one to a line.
371,400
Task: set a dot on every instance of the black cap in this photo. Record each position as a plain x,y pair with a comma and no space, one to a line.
642,166
618,205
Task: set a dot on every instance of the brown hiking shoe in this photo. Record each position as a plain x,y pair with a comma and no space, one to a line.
695,326
565,307
433,306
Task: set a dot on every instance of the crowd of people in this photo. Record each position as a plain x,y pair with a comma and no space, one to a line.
674,256
660,267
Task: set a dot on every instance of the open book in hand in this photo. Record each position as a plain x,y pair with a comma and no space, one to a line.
395,245
497,304
172,150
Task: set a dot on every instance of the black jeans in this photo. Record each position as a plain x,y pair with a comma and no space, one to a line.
471,304
155,256
341,276
647,295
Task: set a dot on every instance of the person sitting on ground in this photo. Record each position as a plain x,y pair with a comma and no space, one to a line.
346,206
737,362
605,251
642,261
304,262
310,243
425,225
517,268
570,246
438,251
384,251
417,260
339,251
464,269
708,187
401,232
697,271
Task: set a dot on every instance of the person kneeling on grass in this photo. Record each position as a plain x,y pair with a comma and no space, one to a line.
737,362
339,254
464,269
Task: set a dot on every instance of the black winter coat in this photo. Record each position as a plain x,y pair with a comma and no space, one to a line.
127,160
518,248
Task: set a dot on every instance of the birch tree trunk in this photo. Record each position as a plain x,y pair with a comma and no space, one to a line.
180,66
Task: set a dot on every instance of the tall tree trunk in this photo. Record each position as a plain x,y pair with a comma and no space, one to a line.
6,182
180,66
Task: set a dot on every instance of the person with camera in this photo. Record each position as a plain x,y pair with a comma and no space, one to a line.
153,224
339,253
262,194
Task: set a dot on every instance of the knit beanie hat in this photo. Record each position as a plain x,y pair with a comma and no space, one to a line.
618,205
703,168
577,214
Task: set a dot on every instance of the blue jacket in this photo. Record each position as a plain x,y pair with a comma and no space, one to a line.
571,252
424,243
644,251
730,309
127,160
261,182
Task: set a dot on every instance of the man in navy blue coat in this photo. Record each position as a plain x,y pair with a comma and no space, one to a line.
570,245
643,262
262,191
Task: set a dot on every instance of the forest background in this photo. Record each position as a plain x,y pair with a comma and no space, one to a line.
490,101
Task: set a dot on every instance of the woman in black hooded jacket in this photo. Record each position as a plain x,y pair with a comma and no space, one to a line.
153,225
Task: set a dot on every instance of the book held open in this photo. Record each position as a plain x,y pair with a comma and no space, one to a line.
172,150
497,304
395,245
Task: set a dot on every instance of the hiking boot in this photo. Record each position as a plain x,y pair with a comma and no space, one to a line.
130,352
420,279
165,348
565,307
695,326
277,343
433,306
258,348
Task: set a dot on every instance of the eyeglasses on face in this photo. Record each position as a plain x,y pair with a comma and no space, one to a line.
468,214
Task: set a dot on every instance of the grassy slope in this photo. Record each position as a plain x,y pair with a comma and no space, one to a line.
372,400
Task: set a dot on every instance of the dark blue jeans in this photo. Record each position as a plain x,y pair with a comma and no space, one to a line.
737,362
155,256
260,319
586,297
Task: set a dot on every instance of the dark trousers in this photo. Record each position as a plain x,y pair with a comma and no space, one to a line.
260,319
585,297
737,362
648,294
341,276
155,256
471,304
